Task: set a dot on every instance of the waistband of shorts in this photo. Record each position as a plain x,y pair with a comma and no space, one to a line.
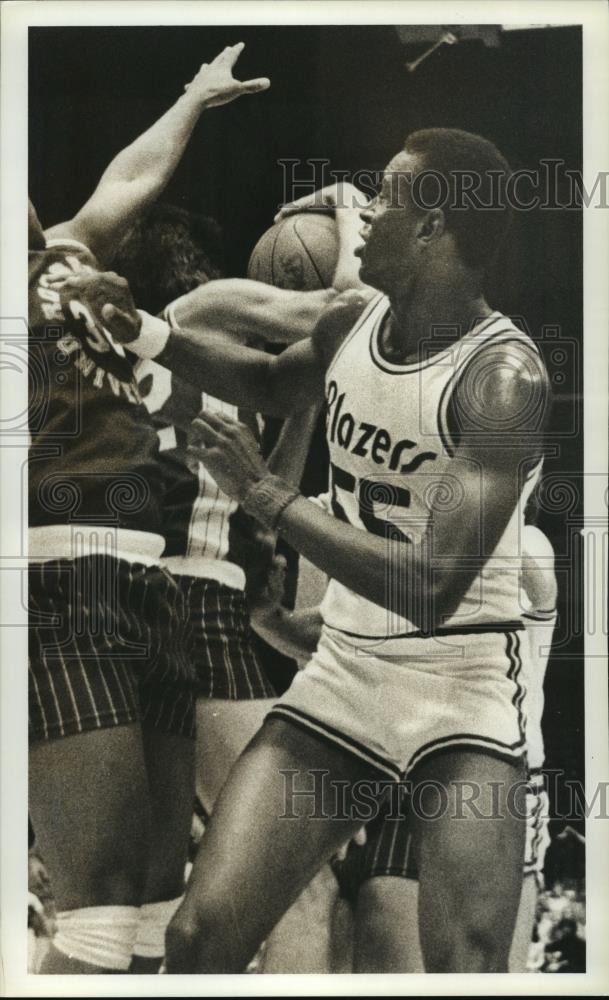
70,541
223,572
417,643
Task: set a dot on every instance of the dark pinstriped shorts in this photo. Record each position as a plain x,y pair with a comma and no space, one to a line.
107,646
389,849
220,641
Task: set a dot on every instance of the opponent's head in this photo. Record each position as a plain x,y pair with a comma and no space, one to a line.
168,252
442,204
35,233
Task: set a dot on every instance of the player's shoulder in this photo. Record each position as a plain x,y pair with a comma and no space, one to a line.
338,319
503,386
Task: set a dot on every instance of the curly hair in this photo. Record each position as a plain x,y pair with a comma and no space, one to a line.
168,252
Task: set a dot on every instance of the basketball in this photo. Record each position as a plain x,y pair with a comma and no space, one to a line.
298,252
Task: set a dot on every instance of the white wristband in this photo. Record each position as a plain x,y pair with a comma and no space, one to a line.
153,336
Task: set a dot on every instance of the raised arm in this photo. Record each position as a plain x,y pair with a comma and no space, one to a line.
136,177
497,439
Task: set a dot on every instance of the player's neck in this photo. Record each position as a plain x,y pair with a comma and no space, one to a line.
425,308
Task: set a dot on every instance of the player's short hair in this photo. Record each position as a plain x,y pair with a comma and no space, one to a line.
168,252
453,154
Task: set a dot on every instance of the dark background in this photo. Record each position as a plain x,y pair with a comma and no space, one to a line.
343,94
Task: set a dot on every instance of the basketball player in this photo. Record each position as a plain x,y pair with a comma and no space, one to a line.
380,878
435,406
209,541
110,694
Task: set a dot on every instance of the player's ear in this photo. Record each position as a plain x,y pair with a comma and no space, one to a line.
431,225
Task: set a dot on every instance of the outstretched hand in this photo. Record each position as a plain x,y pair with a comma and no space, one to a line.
215,84
229,450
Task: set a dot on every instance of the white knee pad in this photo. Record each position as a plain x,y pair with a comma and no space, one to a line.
100,935
150,937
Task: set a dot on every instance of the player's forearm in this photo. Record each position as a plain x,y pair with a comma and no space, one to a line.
293,633
374,567
236,374
289,455
240,375
149,162
250,308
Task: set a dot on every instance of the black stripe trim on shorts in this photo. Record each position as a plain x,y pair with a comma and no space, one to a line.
470,742
482,627
336,737
539,616
513,652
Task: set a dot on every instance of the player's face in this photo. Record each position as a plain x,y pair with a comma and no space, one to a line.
389,251
36,240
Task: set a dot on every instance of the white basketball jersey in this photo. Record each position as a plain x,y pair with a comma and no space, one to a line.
390,456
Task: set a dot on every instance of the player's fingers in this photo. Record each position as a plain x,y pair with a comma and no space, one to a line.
359,837
309,202
218,421
341,853
206,432
255,86
120,324
233,52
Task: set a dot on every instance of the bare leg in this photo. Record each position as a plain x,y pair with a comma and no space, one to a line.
224,728
302,940
387,926
89,805
299,942
254,861
170,771
523,932
470,869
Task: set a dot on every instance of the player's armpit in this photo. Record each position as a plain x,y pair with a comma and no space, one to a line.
338,319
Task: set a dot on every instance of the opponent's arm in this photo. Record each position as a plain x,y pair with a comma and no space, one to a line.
248,378
277,315
293,633
500,430
136,177
251,308
289,456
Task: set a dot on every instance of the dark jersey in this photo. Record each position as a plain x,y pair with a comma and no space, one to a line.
94,452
